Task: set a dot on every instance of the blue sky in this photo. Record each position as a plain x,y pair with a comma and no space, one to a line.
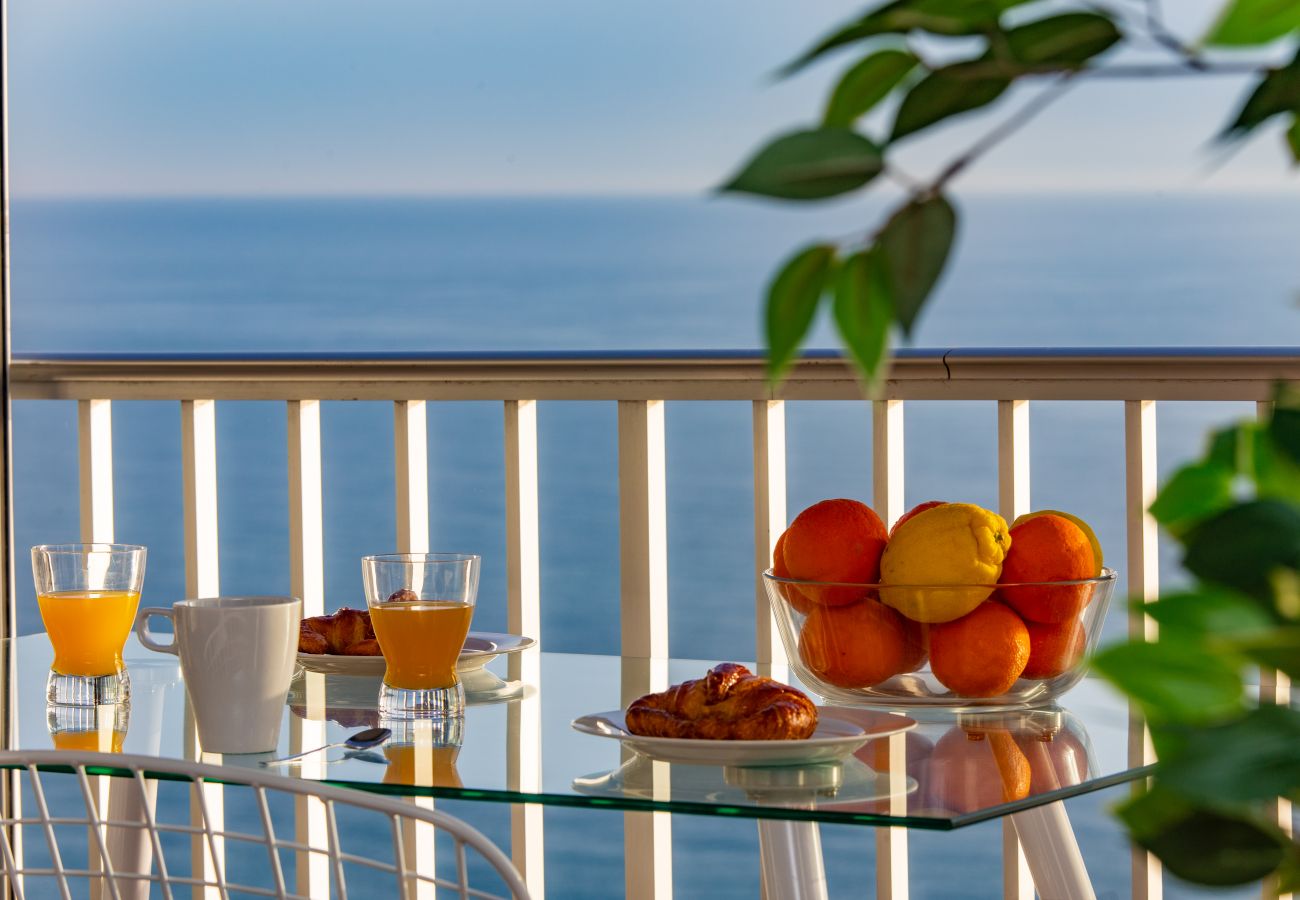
568,96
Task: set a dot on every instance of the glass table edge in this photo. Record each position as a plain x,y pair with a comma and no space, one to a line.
635,804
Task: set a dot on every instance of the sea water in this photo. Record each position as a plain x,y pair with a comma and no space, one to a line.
554,274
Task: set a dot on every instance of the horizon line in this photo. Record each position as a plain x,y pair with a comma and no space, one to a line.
708,193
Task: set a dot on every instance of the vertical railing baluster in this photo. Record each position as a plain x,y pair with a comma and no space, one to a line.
199,477
411,471
307,581
95,464
887,498
643,571
1013,501
411,452
95,458
1143,584
202,579
524,616
769,522
1275,688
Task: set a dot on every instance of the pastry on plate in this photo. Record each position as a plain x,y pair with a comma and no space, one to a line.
730,703
347,632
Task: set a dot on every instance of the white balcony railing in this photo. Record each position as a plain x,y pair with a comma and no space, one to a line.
640,384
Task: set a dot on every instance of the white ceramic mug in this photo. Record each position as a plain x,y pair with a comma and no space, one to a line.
237,656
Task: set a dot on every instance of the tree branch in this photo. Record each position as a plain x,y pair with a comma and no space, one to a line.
1008,127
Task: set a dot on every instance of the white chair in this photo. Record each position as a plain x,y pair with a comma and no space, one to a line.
133,835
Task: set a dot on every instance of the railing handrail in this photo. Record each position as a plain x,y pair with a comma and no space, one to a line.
1163,373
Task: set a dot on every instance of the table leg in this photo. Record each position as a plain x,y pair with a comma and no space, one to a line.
1053,853
791,854
129,847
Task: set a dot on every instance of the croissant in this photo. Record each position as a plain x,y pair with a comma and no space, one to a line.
347,632
729,703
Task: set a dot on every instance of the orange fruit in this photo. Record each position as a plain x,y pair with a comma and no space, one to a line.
975,769
982,653
837,541
919,508
1083,526
790,592
1053,649
1048,548
853,646
916,649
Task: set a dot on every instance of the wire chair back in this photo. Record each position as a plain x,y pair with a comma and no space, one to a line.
115,801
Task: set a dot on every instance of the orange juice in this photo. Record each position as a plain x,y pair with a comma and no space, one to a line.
421,641
423,766
93,741
88,629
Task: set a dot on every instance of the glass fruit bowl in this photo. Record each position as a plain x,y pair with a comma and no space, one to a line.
999,646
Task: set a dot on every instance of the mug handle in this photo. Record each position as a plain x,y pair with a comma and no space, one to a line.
146,636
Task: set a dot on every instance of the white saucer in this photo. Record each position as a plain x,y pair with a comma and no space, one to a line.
834,739
481,647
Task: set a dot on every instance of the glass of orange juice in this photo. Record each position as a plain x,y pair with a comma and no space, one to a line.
88,594
420,606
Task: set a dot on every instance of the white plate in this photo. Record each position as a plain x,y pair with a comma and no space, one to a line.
834,739
481,647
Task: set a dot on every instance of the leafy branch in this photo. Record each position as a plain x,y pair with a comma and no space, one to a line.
835,158
1224,759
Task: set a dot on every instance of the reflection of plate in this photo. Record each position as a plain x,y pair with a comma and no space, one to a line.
834,739
820,785
481,647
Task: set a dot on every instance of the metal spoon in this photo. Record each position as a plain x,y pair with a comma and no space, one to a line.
362,740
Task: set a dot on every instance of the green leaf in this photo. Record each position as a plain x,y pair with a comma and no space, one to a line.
1241,546
792,300
1201,846
914,246
1247,22
863,312
1276,474
1172,680
947,92
952,18
1288,874
1237,763
1278,649
1194,492
1230,448
1207,614
1278,93
810,165
1293,140
1066,40
1284,429
866,84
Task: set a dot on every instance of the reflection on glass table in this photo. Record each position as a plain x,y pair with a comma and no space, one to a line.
516,743
967,768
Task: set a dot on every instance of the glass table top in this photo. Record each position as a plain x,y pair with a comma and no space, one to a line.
517,743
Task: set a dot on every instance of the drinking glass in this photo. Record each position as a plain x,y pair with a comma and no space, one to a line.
88,595
420,607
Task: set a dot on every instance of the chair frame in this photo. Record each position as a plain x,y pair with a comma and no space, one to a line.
137,771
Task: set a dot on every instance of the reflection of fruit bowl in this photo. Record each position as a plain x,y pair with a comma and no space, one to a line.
863,649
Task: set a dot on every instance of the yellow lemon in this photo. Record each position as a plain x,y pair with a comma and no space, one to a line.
954,543
1083,526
